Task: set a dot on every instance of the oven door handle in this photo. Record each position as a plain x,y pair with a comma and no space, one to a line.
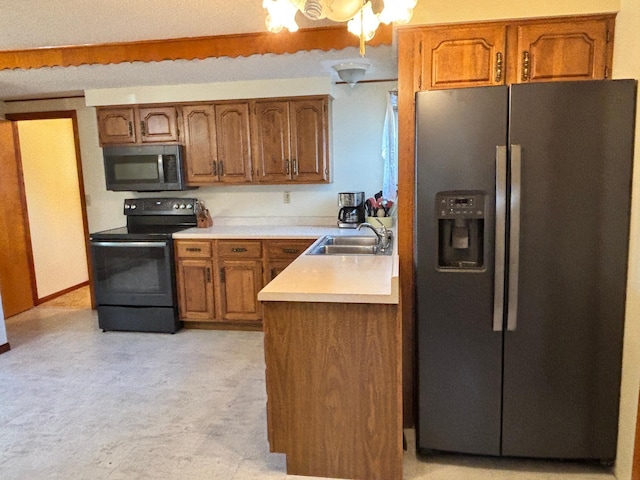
130,244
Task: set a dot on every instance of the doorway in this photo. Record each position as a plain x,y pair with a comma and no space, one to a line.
54,201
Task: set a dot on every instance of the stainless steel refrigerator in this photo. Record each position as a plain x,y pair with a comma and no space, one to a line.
522,225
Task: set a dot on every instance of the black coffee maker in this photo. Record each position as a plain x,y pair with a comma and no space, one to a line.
351,213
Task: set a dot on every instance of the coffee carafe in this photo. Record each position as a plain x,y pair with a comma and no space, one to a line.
351,209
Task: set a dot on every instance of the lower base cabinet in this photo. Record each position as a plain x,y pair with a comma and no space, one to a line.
333,380
219,280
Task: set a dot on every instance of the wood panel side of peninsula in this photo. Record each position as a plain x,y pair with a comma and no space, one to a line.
334,388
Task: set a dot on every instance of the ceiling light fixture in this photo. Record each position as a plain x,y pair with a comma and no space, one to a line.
362,18
351,72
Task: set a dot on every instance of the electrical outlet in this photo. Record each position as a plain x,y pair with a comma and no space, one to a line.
287,197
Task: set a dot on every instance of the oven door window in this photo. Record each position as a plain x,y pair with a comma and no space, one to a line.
133,273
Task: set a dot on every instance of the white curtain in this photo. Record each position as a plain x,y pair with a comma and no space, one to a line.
390,149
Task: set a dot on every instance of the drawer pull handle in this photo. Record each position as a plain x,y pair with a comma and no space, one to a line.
526,59
238,249
498,67
290,250
193,249
208,275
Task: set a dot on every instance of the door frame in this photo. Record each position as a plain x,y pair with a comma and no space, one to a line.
55,115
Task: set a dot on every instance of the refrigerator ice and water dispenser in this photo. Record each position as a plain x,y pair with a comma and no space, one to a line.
460,230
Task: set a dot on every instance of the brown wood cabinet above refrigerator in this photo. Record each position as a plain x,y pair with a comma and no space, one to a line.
518,51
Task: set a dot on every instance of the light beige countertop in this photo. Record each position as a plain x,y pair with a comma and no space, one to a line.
317,278
263,231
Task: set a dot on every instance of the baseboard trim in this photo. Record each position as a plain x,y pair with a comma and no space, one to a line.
5,348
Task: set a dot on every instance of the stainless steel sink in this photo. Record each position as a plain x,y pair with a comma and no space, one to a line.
351,245
350,241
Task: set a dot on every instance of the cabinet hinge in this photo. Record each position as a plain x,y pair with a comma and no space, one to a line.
222,277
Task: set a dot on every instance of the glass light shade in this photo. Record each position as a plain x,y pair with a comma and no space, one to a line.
341,10
351,72
397,11
281,14
366,22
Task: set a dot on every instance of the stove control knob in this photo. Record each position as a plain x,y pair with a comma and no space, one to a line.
189,206
133,207
176,206
127,206
183,206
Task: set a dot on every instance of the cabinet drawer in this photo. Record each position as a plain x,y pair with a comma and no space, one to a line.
198,249
286,249
240,248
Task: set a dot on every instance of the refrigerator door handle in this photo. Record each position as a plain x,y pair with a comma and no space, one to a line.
500,246
514,236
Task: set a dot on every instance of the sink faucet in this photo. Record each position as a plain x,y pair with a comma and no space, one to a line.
384,235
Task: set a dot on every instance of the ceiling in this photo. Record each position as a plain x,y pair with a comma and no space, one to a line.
42,23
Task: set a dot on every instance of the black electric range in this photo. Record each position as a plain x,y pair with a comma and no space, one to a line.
133,266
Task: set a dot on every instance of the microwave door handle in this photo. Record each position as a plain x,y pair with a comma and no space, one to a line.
161,168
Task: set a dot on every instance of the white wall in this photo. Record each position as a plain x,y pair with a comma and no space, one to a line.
357,121
626,64
48,152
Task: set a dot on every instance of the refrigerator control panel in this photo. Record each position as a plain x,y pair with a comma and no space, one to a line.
467,205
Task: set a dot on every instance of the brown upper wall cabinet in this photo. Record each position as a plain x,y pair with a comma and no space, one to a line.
291,140
217,143
138,125
499,53
257,141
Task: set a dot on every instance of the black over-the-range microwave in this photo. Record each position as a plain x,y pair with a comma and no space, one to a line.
145,168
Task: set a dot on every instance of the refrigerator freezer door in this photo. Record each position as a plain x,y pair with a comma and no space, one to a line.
459,354
562,362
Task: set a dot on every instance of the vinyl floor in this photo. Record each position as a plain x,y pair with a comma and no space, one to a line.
77,403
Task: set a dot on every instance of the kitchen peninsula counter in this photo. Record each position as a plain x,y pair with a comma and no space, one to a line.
317,278
333,355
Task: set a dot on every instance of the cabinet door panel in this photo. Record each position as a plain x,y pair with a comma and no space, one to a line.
456,57
200,141
241,280
308,140
158,124
195,290
562,51
234,149
271,141
116,126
